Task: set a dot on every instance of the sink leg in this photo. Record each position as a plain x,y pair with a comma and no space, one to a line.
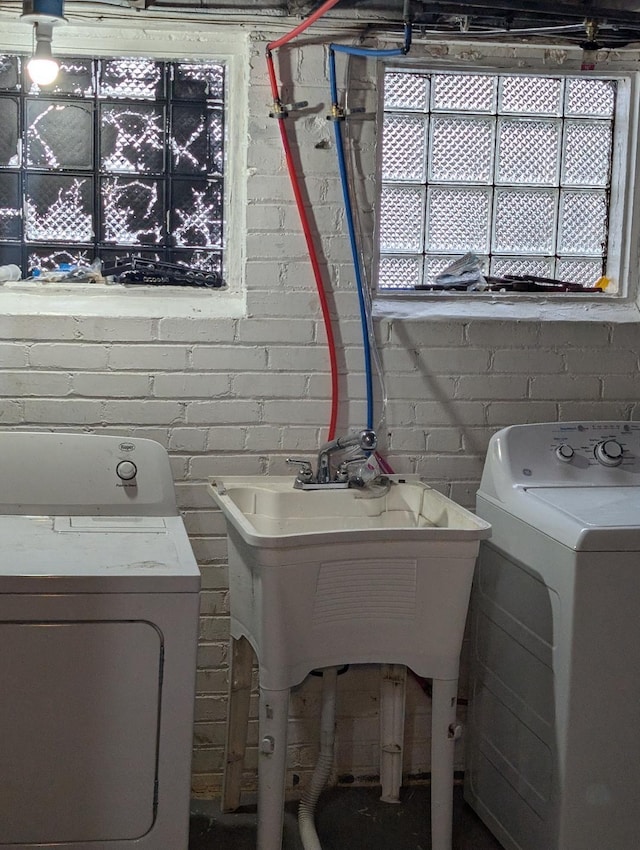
272,767
239,693
443,735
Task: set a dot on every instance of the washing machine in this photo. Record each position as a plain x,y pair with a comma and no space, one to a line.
98,630
553,740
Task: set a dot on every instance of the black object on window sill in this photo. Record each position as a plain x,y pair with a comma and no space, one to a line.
516,283
141,272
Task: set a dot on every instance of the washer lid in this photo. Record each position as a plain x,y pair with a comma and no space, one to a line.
71,554
584,518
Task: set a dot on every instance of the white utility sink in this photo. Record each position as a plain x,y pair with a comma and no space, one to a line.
270,512
324,578
319,578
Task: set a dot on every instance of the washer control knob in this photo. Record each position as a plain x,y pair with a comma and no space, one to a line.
609,453
565,453
126,470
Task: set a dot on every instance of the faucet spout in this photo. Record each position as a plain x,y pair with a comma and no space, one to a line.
365,440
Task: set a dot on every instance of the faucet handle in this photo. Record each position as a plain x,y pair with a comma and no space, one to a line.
306,471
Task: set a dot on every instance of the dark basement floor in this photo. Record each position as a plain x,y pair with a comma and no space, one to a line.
346,817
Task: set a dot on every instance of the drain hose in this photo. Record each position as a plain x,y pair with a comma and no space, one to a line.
322,770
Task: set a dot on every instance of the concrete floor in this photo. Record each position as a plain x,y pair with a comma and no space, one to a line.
346,817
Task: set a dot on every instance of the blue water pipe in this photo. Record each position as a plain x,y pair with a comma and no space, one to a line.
337,115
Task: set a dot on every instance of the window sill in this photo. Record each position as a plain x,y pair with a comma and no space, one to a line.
555,308
56,299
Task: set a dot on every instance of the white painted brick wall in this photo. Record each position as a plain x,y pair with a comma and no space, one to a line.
239,395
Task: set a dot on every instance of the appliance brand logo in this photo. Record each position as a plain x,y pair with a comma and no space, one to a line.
127,447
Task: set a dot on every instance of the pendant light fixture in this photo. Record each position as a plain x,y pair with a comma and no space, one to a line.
44,15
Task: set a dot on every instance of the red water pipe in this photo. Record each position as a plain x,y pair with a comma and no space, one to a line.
280,114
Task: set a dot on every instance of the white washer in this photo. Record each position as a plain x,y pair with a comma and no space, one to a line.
98,631
553,761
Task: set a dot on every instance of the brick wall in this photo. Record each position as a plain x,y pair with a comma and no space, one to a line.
239,395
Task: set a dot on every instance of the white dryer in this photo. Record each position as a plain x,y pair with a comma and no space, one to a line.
98,631
553,748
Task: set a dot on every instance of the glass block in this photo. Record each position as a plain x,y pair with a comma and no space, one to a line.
538,266
198,81
401,218
406,91
131,78
463,93
590,98
528,152
530,95
403,147
9,132
583,222
197,137
75,77
132,138
58,208
50,256
207,261
132,211
10,254
196,214
458,220
112,256
59,135
399,272
10,207
587,153
9,73
525,221
461,149
578,270
434,264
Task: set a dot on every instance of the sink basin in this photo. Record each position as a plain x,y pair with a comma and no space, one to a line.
269,512
323,578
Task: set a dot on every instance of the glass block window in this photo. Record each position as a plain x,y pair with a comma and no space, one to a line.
119,158
514,168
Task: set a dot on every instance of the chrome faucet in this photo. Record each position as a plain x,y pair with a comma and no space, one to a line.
365,440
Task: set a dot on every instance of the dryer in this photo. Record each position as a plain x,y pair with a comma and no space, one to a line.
98,632
553,749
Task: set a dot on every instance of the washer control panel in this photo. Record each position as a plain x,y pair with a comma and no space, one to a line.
566,454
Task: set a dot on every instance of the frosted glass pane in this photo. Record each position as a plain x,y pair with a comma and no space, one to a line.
463,93
402,219
591,98
403,148
132,211
537,266
198,81
59,135
406,91
583,222
9,73
586,272
58,209
10,208
531,95
132,138
132,78
10,132
196,217
587,153
528,151
399,272
434,264
525,221
461,149
458,220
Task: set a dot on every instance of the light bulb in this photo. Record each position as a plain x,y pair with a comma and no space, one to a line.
42,67
43,71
